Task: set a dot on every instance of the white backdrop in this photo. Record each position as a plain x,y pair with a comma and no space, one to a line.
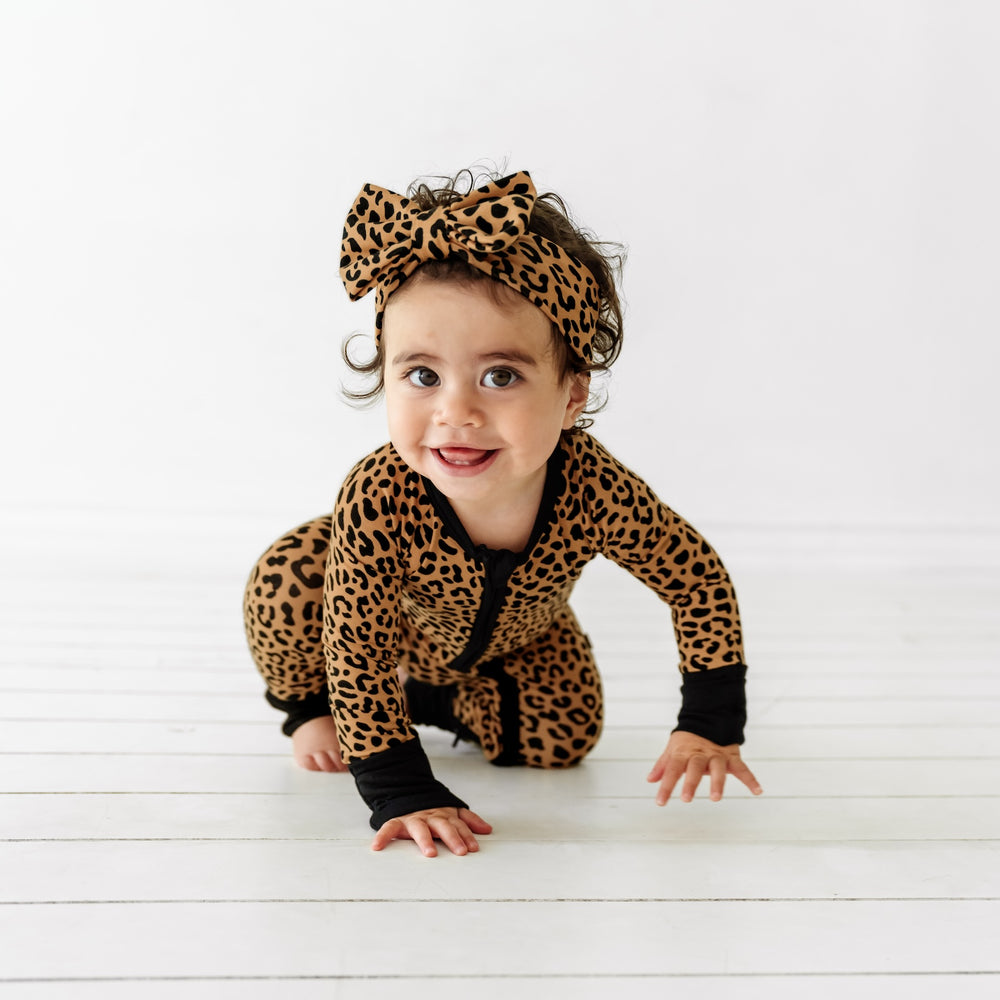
808,191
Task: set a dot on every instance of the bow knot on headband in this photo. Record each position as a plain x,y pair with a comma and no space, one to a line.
387,237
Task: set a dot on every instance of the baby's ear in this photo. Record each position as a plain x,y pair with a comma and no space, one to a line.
579,393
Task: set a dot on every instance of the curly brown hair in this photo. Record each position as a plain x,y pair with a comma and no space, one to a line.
550,219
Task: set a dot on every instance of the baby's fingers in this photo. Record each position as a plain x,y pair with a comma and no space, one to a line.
388,832
738,769
474,821
717,770
406,828
668,774
455,835
454,828
324,761
696,768
421,835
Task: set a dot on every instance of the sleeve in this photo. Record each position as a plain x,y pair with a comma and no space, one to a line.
657,546
361,637
398,781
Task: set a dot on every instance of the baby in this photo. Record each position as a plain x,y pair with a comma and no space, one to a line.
437,591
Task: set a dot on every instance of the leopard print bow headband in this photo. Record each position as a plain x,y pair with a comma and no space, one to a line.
387,237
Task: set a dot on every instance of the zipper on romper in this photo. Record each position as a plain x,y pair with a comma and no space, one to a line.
498,564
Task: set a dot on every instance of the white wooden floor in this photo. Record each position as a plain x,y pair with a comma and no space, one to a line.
156,839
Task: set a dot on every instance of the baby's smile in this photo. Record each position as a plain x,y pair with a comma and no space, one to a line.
464,461
461,455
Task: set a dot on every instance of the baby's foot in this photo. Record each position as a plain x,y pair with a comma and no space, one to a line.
315,745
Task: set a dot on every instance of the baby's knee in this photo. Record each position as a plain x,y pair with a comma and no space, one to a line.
293,565
560,744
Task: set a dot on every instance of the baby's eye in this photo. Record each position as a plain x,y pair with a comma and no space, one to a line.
499,378
423,378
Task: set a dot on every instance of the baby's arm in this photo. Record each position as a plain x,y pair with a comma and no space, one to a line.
666,553
692,757
363,636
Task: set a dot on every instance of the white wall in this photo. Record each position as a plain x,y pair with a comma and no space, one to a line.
808,190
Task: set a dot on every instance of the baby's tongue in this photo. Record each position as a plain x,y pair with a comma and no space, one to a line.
463,456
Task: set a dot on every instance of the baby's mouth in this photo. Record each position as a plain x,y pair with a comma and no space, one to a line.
463,456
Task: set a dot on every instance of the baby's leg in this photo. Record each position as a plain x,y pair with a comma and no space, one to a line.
283,614
542,706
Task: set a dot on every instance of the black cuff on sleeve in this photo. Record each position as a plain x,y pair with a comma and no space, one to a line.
398,781
714,704
312,706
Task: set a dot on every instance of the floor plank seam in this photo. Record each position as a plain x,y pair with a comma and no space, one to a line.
528,900
515,976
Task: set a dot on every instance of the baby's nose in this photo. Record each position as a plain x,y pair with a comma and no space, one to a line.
458,407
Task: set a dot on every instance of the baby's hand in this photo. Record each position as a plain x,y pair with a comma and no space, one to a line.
455,827
315,745
692,757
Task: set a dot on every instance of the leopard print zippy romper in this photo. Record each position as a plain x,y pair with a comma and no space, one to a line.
489,642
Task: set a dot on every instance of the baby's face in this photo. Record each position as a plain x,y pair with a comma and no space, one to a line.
474,398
